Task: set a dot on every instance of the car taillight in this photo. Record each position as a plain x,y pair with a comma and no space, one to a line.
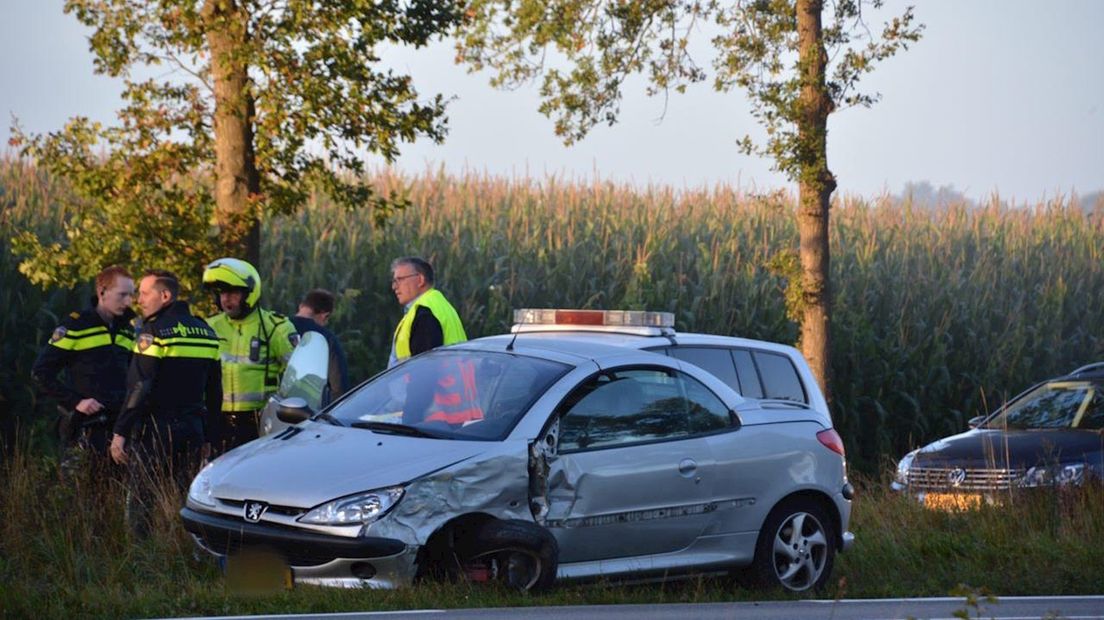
831,440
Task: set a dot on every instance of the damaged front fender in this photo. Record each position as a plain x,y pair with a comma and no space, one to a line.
494,483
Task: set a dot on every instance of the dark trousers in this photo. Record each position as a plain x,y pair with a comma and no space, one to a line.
163,457
237,428
84,442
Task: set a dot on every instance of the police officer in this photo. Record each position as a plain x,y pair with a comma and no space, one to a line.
430,320
254,347
173,384
91,349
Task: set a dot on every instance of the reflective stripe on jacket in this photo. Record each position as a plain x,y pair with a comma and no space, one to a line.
251,372
174,370
93,354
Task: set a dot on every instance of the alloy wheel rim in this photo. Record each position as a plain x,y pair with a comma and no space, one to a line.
800,551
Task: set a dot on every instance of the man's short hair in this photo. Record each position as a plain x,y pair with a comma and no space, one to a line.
166,281
105,279
319,300
419,265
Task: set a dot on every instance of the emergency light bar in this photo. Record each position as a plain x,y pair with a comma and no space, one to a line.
606,318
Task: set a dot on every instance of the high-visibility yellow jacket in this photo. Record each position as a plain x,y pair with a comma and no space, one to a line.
435,302
254,352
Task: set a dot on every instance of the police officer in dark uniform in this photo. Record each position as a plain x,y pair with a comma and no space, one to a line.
83,367
174,383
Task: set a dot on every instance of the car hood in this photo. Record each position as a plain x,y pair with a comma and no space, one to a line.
315,463
1013,449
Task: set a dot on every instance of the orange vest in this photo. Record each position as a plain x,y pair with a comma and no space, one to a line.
455,400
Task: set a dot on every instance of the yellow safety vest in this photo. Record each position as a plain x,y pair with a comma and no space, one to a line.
442,310
251,370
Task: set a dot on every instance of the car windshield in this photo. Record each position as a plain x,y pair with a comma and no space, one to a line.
450,394
1056,404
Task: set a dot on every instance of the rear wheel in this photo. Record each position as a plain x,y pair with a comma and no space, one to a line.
796,548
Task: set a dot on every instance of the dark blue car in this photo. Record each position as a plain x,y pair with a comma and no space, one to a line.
1050,435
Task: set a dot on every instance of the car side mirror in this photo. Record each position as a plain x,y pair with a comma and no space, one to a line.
975,421
293,410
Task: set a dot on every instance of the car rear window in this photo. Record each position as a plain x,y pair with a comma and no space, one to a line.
752,373
716,360
780,380
749,375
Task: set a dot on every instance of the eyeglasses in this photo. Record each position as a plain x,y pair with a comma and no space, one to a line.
398,279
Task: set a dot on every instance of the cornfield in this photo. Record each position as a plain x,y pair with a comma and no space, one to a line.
939,314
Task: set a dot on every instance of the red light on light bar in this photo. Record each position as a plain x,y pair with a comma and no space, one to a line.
569,317
580,317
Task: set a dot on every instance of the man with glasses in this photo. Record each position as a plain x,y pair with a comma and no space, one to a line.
429,321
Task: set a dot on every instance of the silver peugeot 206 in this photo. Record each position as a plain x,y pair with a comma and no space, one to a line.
585,444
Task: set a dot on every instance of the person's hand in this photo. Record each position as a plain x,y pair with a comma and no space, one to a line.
89,406
118,449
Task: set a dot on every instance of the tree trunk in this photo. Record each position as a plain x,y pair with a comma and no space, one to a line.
816,184
237,184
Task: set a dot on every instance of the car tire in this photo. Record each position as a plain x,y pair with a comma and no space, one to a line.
517,554
796,548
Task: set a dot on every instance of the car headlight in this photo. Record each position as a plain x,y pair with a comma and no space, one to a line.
901,477
355,509
201,491
1054,475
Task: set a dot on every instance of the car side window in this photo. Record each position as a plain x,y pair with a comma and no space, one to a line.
635,406
780,380
749,376
706,411
716,360
1093,416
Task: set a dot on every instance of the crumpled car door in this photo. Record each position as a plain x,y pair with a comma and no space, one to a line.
604,501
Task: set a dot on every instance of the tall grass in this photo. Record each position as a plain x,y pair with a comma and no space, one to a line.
939,314
29,200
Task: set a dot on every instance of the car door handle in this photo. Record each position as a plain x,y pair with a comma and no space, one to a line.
687,467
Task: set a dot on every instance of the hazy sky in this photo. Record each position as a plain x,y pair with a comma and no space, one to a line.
999,96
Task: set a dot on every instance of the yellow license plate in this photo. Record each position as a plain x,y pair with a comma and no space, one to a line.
258,570
952,501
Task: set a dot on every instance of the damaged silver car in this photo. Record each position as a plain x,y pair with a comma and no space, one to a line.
570,452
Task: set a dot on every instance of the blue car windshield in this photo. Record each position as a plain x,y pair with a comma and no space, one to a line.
450,394
1053,405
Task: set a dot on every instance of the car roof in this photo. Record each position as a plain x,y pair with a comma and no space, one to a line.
1089,372
643,339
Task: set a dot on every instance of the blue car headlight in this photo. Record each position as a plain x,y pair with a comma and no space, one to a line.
354,509
1054,475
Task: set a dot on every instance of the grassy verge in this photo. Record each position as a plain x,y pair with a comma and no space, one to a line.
65,553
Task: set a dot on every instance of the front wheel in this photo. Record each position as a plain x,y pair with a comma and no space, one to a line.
796,548
517,554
